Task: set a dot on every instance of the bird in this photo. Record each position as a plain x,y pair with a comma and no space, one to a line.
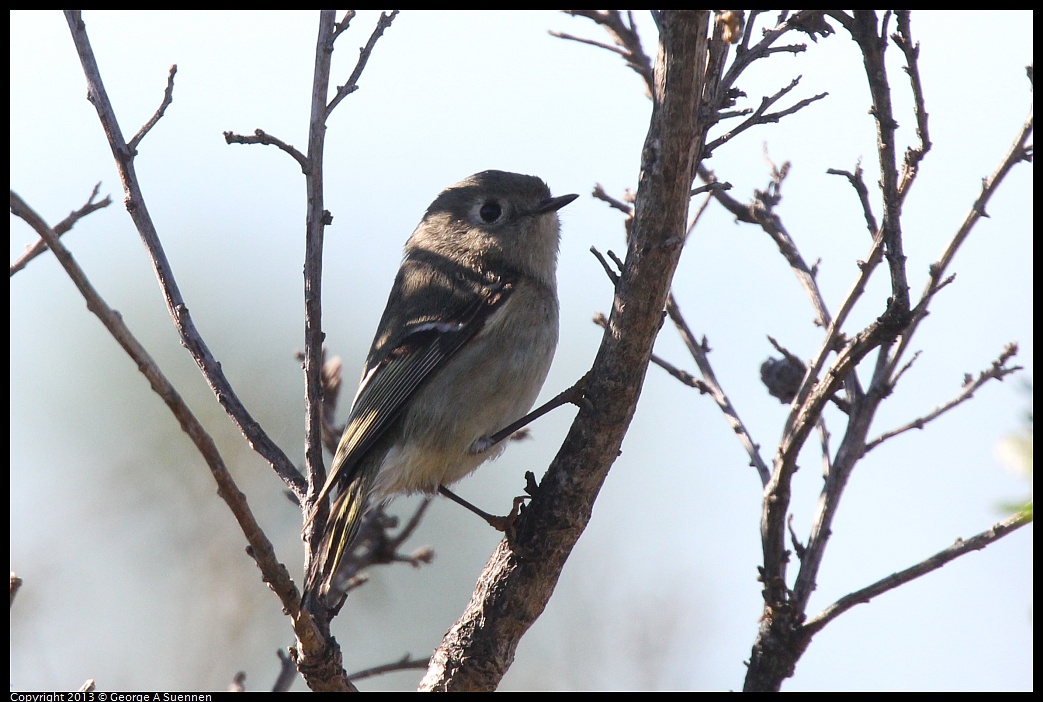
461,351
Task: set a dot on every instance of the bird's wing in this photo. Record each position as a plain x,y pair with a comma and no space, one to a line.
457,307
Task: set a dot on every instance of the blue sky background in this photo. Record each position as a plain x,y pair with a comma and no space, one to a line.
135,572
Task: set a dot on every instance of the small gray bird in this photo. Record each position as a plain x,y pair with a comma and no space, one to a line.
461,352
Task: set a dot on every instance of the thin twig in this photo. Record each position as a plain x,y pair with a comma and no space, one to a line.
190,336
683,376
903,369
262,137
272,571
713,387
761,212
287,672
903,38
808,21
61,228
868,37
168,97
404,663
998,371
343,25
710,188
761,116
624,34
1019,151
351,85
589,42
612,274
859,184
316,220
377,545
960,548
827,456
626,208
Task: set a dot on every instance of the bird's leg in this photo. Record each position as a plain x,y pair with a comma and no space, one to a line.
573,395
504,524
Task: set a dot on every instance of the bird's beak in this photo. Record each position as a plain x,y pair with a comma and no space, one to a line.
553,204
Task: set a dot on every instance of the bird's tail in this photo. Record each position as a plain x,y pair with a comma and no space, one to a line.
342,527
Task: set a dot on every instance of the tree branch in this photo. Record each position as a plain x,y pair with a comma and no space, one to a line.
873,43
262,137
273,572
351,85
624,33
405,663
1019,151
903,38
168,97
61,228
699,354
960,548
480,646
190,336
762,116
998,371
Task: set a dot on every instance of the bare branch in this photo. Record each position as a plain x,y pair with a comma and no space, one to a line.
710,188
377,545
61,228
626,208
761,212
190,336
262,137
168,97
901,372
683,376
903,38
343,25
589,42
859,184
351,85
960,548
762,116
869,39
775,651
273,572
404,663
780,641
624,34
317,654
998,371
287,672
480,646
1020,151
827,460
713,387
609,271
810,22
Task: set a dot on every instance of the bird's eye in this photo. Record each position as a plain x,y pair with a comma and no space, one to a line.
490,211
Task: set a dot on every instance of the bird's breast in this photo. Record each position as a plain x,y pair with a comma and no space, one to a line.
492,381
